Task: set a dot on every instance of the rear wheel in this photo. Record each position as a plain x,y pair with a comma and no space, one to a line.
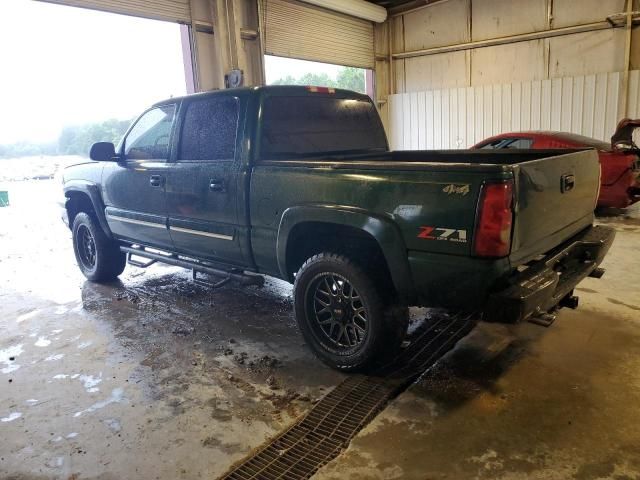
98,257
341,315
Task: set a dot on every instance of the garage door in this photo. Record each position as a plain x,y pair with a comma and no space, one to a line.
296,30
170,10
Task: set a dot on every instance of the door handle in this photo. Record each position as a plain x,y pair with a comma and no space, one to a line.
156,180
216,185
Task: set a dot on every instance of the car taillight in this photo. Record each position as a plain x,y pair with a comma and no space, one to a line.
495,217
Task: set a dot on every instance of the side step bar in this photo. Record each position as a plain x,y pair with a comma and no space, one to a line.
242,278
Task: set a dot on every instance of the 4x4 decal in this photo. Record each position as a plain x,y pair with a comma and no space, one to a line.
441,233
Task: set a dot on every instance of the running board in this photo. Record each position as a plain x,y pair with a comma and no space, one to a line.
242,278
137,263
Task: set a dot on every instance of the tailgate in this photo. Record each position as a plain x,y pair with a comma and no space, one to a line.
555,199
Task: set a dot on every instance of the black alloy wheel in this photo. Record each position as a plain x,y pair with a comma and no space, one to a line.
86,247
342,315
98,256
339,311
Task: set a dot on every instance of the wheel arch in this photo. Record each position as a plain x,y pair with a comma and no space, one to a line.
83,196
307,230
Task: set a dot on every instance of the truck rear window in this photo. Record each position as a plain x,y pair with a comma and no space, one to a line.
307,126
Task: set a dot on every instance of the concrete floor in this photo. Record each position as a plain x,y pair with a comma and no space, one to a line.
154,377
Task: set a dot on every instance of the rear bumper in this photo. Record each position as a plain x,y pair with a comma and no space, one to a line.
545,283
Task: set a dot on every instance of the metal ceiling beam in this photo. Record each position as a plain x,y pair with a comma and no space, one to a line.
556,32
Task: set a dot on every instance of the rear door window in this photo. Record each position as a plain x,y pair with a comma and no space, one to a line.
209,130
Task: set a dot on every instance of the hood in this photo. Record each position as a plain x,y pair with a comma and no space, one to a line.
622,139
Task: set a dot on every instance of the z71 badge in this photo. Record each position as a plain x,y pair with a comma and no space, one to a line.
441,233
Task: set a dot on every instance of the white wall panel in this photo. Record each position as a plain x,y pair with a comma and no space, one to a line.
460,117
633,106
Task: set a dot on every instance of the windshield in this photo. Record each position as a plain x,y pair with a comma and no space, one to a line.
306,126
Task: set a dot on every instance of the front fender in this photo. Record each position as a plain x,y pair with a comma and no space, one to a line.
93,192
382,229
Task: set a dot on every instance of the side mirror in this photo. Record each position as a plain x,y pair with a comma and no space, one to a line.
102,152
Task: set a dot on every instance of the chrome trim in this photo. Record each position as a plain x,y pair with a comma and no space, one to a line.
136,222
199,232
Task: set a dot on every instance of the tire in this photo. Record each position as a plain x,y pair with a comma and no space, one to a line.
341,315
99,258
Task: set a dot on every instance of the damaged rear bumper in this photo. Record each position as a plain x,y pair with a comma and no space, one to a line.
545,283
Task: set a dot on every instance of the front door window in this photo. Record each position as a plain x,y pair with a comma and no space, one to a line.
149,137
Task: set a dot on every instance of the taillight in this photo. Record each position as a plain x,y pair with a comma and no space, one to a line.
495,217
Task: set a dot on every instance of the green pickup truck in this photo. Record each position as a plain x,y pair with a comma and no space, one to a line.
299,183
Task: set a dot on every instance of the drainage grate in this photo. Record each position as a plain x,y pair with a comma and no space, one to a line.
320,435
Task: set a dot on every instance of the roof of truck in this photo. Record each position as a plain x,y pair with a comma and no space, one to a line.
274,89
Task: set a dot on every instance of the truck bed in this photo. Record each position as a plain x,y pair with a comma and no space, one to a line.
440,189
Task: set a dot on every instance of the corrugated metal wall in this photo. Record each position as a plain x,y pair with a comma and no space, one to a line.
299,30
458,21
170,10
476,90
461,117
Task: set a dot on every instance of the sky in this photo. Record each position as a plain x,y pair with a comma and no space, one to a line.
65,66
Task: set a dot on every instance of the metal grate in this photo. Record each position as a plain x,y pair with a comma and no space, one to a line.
320,435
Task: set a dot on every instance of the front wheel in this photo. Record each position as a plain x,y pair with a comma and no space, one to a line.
98,257
341,315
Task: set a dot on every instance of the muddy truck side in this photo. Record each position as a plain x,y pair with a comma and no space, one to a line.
299,183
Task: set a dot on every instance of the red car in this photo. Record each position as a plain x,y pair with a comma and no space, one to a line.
619,161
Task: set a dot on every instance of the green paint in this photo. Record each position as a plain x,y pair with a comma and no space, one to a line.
271,209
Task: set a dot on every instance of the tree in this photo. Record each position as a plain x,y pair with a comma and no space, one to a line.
73,140
77,140
316,79
27,149
349,78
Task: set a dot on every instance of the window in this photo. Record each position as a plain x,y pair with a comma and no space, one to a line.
520,143
492,145
209,129
312,125
149,137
